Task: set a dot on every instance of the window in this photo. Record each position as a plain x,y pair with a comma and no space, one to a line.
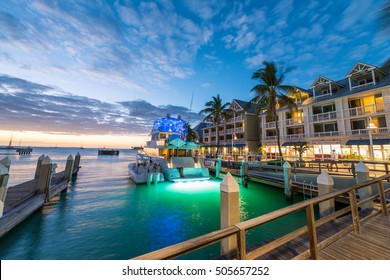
362,82
324,109
358,124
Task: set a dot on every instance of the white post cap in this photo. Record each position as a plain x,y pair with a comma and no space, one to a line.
229,184
325,179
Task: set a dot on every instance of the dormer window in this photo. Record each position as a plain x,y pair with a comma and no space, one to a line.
325,91
362,82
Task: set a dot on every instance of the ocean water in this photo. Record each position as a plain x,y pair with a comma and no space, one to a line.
104,215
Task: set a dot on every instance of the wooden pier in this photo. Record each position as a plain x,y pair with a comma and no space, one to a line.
20,201
353,232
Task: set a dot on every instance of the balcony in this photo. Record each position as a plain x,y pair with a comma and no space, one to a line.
270,125
323,117
376,131
269,138
236,119
367,110
295,121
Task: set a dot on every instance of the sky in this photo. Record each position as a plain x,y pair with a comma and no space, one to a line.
98,73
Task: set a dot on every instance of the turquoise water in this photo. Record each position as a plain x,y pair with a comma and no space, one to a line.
103,215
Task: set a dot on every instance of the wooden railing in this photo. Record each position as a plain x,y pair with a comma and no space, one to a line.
239,230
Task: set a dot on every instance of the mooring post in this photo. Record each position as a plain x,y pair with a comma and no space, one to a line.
363,175
69,168
39,164
325,185
76,165
44,179
218,165
230,212
244,172
5,165
287,181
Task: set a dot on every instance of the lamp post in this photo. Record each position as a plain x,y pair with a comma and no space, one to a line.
370,127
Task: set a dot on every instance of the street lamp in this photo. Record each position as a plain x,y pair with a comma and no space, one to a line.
370,127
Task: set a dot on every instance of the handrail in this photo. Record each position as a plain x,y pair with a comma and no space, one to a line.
239,230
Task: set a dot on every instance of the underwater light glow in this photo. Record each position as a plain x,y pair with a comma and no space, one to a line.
195,186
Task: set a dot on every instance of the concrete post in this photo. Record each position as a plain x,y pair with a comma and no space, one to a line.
325,185
4,170
69,168
218,165
76,165
287,181
39,164
230,212
362,175
44,180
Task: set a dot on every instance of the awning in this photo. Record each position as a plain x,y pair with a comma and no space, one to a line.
292,143
367,142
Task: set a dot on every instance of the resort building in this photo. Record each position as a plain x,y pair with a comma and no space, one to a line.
345,117
237,135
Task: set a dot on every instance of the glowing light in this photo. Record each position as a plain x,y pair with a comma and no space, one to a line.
194,186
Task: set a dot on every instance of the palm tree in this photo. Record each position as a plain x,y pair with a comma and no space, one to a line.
300,149
271,93
215,112
191,134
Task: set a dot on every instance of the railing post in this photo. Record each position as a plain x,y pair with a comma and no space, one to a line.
325,185
311,228
230,212
218,165
38,168
353,170
4,175
354,211
69,168
287,181
382,196
241,241
362,175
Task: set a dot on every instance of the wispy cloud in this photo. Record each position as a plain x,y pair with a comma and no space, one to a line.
30,106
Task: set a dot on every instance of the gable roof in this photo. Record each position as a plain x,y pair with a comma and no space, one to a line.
322,81
360,67
242,104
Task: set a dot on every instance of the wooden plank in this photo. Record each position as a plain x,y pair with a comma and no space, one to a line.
16,215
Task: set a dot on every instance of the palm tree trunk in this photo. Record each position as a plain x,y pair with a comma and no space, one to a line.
278,136
217,137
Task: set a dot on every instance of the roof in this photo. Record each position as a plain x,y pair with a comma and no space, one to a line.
243,104
344,91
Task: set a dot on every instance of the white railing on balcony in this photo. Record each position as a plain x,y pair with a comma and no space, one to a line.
239,129
379,130
236,119
367,110
221,132
230,131
269,138
206,134
323,116
326,133
294,136
270,125
213,133
293,121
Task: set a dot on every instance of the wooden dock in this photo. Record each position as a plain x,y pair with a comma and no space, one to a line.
20,201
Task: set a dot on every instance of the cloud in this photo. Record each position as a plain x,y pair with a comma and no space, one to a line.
34,107
356,13
255,61
205,85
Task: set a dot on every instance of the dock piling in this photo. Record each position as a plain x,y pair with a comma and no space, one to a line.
325,185
218,165
38,169
69,168
287,181
362,175
76,165
230,212
4,175
45,175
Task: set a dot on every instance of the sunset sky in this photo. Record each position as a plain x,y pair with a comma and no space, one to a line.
98,73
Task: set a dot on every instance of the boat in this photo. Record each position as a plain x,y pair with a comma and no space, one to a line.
136,148
168,152
110,152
